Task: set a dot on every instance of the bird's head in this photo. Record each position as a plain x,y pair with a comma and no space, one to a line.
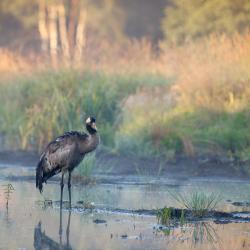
90,125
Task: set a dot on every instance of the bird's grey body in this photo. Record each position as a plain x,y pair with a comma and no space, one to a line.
65,153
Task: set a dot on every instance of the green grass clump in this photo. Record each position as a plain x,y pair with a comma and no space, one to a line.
164,215
199,203
34,109
171,131
87,166
170,216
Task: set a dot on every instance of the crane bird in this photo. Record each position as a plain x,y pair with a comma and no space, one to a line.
64,154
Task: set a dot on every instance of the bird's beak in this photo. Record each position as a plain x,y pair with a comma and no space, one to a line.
94,126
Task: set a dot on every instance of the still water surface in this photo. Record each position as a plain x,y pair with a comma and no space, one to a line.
27,225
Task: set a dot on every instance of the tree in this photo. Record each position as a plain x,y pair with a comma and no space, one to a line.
62,25
185,20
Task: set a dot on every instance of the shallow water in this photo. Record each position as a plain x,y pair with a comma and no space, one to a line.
27,225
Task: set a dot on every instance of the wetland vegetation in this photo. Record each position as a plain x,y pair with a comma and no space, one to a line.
169,86
163,114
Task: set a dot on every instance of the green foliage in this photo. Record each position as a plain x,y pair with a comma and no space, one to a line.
167,216
173,141
199,203
35,109
164,215
182,218
86,167
171,132
186,20
205,111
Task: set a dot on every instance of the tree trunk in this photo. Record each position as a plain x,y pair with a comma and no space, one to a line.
63,34
53,34
42,27
74,4
80,36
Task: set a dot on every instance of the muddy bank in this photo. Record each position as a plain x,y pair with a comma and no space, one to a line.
175,215
113,164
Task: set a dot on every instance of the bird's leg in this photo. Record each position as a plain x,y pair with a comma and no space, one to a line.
62,185
60,226
68,228
69,188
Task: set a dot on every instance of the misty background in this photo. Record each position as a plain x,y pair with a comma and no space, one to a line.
165,79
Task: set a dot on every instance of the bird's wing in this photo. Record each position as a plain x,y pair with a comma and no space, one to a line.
60,150
56,156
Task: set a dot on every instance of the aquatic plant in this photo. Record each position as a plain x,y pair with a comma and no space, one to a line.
182,218
198,202
164,215
170,216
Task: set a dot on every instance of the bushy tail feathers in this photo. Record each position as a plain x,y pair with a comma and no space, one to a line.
39,175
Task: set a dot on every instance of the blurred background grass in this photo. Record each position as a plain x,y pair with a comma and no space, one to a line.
184,90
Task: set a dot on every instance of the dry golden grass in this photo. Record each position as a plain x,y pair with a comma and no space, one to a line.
128,57
213,72
210,99
12,62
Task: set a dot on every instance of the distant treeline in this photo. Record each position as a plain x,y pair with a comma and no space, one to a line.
28,24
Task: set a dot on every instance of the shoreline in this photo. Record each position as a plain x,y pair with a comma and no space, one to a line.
113,164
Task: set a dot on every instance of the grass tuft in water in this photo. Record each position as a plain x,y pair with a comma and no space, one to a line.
164,215
182,218
170,216
199,203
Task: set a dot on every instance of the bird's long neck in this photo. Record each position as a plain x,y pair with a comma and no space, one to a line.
91,130
90,143
94,141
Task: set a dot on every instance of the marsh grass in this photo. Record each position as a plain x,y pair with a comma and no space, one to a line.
87,166
164,215
189,100
35,109
168,216
199,203
83,174
205,111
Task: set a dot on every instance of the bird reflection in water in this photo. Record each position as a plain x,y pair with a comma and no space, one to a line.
8,190
42,241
